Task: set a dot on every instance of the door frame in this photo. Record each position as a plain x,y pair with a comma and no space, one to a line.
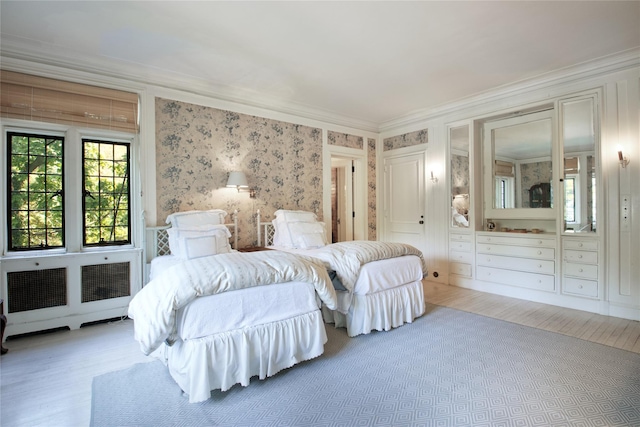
358,157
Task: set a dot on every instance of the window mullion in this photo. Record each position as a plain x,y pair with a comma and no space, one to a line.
73,188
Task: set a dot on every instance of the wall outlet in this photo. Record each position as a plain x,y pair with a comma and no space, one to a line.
625,212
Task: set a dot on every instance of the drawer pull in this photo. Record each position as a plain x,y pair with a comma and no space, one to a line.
539,265
581,270
580,256
579,245
539,252
579,286
37,263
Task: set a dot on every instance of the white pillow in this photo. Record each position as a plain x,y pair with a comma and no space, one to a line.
295,216
199,242
190,219
307,235
281,235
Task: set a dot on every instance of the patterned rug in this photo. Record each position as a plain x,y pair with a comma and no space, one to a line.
448,368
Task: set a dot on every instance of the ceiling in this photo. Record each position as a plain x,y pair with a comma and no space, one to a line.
364,63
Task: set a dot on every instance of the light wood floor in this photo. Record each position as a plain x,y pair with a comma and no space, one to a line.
45,380
611,331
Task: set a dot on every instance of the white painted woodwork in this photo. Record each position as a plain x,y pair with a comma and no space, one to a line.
404,211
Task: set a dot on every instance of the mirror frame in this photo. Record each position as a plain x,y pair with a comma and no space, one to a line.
450,127
488,180
594,98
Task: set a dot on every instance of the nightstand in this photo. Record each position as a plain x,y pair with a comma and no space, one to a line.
254,249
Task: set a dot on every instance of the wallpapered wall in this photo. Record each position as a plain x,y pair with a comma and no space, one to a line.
532,174
405,140
197,147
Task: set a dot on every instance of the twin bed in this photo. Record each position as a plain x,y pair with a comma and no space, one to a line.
218,317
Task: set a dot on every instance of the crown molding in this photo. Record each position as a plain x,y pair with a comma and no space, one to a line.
590,69
30,56
20,55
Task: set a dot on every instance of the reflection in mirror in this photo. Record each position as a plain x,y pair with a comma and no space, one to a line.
521,161
579,145
459,143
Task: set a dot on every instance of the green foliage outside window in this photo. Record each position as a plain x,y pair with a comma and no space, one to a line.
106,193
36,198
36,192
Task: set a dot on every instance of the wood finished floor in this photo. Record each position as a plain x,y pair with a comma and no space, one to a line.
45,380
611,331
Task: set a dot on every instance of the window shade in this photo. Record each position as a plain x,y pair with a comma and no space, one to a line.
28,97
571,165
503,168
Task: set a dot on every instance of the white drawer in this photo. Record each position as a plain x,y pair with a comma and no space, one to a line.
465,257
585,288
518,251
460,269
519,264
580,244
541,282
518,241
586,271
461,246
455,237
581,256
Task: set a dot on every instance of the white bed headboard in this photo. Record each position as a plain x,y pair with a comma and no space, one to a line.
266,231
157,238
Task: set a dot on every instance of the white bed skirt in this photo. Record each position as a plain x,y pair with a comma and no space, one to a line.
380,311
222,360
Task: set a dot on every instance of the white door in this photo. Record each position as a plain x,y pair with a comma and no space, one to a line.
404,199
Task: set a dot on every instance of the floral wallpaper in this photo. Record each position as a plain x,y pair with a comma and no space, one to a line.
532,174
197,147
345,140
371,193
405,140
459,174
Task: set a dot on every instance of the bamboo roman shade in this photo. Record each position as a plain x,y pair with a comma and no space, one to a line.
29,97
571,165
502,168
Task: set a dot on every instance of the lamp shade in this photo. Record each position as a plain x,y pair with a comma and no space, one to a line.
237,180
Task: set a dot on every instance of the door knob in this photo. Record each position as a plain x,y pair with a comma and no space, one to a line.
421,222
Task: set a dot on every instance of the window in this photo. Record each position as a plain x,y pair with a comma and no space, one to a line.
505,192
570,199
39,164
106,193
573,214
36,205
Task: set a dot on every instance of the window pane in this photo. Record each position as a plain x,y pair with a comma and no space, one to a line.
106,189
36,165
569,200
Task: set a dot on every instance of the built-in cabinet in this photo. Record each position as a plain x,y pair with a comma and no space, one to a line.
526,261
580,267
525,221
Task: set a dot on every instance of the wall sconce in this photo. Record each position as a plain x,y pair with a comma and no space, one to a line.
238,180
434,178
623,160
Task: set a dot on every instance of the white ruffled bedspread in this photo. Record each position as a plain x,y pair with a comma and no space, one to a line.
153,309
347,258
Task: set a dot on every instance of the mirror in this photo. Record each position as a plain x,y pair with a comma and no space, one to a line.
580,164
460,204
518,165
